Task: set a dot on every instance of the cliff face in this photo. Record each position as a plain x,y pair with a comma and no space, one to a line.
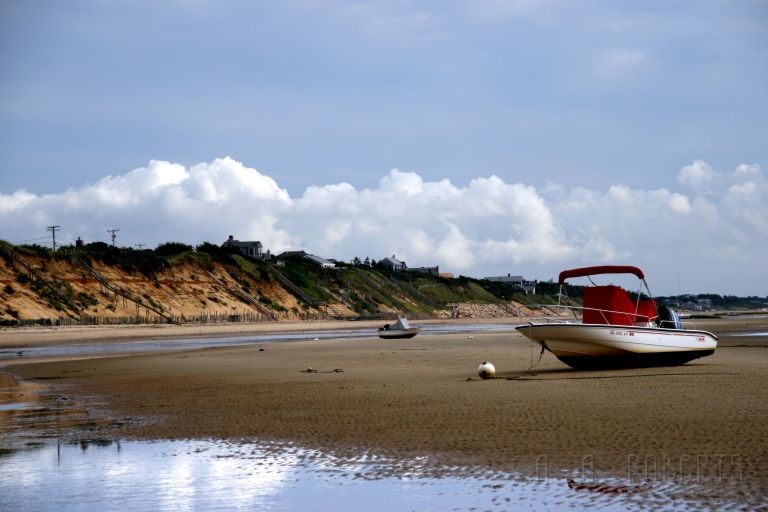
34,287
124,286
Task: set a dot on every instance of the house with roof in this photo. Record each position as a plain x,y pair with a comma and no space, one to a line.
318,260
392,263
324,263
252,249
517,282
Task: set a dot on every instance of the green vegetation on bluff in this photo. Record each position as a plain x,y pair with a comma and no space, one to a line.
364,288
367,288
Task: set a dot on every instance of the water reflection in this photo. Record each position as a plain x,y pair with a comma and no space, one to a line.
208,475
30,415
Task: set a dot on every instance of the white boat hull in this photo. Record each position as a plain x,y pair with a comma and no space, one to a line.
391,334
594,345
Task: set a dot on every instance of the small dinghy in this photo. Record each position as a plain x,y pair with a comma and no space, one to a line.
400,329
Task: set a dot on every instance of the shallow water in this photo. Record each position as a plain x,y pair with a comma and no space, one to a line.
48,463
206,475
168,345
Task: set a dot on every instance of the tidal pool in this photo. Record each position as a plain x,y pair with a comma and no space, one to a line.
216,475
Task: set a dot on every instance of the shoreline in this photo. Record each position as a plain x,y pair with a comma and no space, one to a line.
423,396
422,399
21,337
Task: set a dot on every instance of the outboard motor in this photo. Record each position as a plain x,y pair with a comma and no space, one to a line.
668,318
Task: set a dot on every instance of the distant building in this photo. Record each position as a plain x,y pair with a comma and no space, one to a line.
324,263
445,275
433,271
393,263
289,254
697,305
252,249
509,278
517,282
692,306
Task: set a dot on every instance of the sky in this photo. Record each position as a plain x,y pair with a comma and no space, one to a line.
486,137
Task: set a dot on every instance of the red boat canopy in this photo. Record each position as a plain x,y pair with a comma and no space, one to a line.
602,269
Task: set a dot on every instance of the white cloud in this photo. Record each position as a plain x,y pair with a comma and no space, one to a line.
486,227
679,203
745,201
133,187
15,201
402,183
165,201
696,174
455,249
747,169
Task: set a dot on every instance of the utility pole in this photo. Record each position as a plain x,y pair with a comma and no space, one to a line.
140,246
113,231
53,230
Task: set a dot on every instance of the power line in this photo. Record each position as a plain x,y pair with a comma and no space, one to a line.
53,230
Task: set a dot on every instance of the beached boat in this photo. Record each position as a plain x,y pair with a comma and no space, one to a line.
400,329
616,330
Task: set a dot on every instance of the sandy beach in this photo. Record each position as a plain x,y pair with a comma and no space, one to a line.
422,397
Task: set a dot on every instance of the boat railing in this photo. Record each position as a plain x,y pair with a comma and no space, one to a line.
608,316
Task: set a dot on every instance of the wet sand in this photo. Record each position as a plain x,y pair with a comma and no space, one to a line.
408,398
19,337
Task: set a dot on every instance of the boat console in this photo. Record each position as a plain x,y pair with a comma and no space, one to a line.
668,318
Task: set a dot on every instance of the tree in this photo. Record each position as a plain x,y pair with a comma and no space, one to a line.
172,248
216,251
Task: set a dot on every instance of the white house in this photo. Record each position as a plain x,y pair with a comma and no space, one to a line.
320,261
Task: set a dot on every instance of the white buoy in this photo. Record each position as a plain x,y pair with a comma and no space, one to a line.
486,370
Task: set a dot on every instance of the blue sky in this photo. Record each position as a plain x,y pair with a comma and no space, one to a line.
564,98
